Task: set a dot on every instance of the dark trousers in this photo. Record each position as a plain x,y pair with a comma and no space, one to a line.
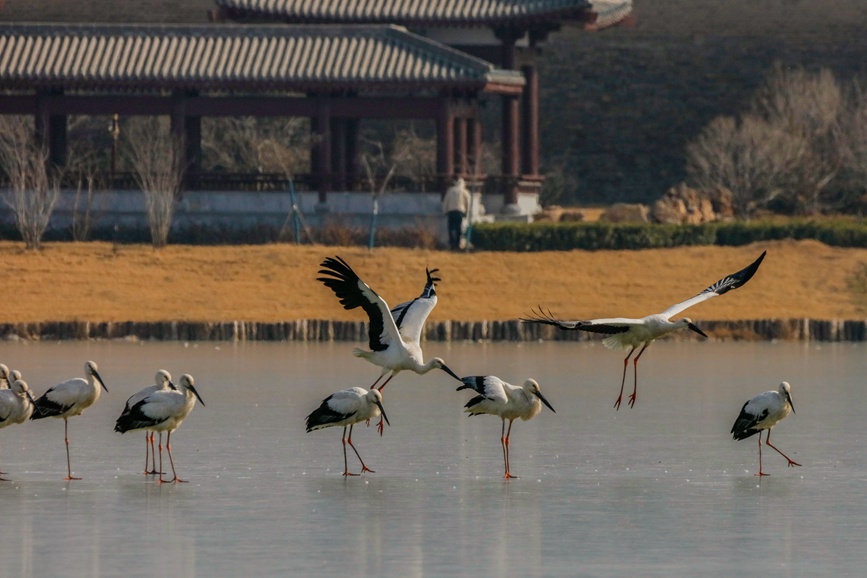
455,220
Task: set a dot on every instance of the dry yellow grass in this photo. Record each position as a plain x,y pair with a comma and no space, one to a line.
100,282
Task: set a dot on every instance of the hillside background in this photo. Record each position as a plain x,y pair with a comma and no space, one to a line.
619,106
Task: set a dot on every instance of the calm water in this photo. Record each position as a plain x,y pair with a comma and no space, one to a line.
658,490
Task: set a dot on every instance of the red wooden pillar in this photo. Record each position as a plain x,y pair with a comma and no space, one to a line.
511,149
474,130
338,137
50,129
322,130
193,150
511,128
530,122
352,167
178,124
461,146
445,144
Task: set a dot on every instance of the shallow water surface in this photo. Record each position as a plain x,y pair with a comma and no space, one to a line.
656,490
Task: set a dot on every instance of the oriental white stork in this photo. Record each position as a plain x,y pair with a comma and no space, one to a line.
161,411
68,399
16,406
763,412
629,333
348,407
507,401
162,382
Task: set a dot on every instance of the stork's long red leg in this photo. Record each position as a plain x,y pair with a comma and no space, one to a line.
66,438
623,380
506,442
635,365
792,463
761,473
345,464
364,468
175,477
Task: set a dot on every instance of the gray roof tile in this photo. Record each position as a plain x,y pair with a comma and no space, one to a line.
277,57
420,12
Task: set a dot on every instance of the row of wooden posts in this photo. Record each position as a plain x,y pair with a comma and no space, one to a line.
320,330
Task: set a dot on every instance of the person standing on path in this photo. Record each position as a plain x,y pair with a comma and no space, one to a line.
456,203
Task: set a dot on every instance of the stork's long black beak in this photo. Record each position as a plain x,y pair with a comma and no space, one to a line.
33,401
196,393
99,379
172,385
790,403
545,401
385,417
450,372
695,328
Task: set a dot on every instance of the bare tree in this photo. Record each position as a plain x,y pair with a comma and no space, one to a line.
248,144
415,157
156,158
83,167
811,107
373,163
751,158
34,187
854,152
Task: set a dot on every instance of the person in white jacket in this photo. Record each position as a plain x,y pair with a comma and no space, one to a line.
456,203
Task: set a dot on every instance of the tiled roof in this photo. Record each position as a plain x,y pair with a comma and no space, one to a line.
427,12
228,57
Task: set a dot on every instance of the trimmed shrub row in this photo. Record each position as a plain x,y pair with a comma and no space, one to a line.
609,236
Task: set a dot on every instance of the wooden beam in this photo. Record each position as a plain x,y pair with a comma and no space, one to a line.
323,147
445,143
530,122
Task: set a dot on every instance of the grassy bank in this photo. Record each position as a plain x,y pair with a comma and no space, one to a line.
102,282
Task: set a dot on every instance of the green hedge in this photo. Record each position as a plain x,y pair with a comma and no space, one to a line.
599,236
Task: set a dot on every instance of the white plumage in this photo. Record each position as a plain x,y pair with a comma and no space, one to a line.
624,332
162,411
763,412
68,399
394,335
346,408
507,401
16,406
162,382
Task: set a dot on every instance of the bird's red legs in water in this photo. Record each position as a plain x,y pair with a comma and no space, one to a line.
66,438
175,477
346,440
149,442
504,439
792,463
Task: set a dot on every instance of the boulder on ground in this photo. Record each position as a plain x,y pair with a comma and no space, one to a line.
626,213
682,204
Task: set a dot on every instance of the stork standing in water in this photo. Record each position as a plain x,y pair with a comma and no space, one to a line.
16,406
507,401
763,412
162,382
393,335
68,399
161,411
348,407
629,333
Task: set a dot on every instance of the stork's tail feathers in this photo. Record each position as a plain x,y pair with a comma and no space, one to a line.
360,353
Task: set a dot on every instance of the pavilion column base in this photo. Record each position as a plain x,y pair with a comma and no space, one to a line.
511,209
322,207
